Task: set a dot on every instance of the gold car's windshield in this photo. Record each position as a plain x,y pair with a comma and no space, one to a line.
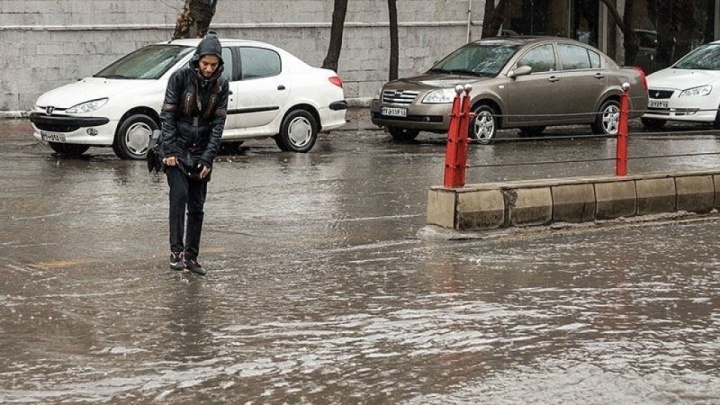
477,59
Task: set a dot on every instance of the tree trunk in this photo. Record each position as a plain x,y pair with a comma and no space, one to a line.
195,18
336,34
630,41
394,51
494,18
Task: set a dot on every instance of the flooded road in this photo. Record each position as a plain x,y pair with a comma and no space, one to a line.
320,290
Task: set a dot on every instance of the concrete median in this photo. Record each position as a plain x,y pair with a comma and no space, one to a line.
532,203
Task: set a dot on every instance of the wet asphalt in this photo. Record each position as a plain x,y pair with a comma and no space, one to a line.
324,287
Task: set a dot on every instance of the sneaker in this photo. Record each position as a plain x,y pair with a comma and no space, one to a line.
176,261
193,266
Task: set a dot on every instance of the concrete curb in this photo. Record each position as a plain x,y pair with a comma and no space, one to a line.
574,200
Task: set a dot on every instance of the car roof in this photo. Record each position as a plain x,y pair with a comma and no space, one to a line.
523,39
193,42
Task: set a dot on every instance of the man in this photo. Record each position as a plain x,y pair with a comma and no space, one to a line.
193,118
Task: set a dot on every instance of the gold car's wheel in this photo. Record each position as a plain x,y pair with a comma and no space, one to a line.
607,121
483,126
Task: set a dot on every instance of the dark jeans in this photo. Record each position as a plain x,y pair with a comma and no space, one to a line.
190,194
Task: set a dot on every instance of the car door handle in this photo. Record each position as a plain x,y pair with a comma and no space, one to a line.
599,76
553,79
281,87
230,93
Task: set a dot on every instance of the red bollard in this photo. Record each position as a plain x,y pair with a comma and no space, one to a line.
622,141
451,151
462,141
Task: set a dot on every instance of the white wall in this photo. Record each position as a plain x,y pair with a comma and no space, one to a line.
46,43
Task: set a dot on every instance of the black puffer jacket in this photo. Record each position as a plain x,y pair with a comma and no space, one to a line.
193,115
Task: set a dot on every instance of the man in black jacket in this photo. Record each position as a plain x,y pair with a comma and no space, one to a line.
193,118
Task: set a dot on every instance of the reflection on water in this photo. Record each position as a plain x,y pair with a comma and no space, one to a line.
319,292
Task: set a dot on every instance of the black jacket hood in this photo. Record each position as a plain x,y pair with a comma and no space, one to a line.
209,45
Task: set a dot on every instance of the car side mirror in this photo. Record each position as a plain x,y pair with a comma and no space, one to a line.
521,71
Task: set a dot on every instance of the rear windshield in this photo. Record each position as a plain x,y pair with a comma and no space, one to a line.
477,59
706,57
150,62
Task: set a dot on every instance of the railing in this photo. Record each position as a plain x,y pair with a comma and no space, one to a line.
457,142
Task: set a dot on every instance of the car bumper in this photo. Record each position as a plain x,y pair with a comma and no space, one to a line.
423,117
689,110
76,130
333,117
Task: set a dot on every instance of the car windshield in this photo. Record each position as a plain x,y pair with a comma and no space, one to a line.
477,59
149,62
706,57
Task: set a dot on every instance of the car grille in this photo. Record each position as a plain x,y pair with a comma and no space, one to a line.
404,97
56,127
660,94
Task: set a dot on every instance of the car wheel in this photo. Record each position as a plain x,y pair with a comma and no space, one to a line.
607,121
133,136
69,149
403,134
652,123
298,132
531,131
483,126
716,123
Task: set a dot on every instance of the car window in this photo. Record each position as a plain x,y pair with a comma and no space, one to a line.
477,59
574,57
149,62
594,59
706,57
259,62
540,59
228,67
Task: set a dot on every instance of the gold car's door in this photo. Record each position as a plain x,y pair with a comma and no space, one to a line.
536,98
584,82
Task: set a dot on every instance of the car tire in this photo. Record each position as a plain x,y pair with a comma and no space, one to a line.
69,149
133,136
652,123
607,120
716,123
531,131
298,132
402,135
483,126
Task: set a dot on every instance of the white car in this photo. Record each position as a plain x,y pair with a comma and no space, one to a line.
272,94
687,91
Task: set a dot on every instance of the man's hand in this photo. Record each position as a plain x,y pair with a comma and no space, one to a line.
170,161
204,170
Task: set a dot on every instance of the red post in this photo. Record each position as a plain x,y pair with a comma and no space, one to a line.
462,140
622,142
451,151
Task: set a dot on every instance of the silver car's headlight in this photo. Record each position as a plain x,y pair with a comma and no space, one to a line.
440,96
378,93
696,91
88,106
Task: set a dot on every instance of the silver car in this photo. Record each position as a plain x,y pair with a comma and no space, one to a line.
517,82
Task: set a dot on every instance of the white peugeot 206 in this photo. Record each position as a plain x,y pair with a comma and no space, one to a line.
687,91
272,94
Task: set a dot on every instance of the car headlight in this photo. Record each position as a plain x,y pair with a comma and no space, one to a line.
440,96
378,93
696,91
88,106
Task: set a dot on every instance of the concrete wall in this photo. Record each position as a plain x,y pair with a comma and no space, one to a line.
46,43
541,202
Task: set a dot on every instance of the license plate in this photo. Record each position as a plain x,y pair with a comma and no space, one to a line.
394,111
52,136
658,104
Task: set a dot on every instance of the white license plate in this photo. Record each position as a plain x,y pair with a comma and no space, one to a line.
52,136
394,111
658,104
